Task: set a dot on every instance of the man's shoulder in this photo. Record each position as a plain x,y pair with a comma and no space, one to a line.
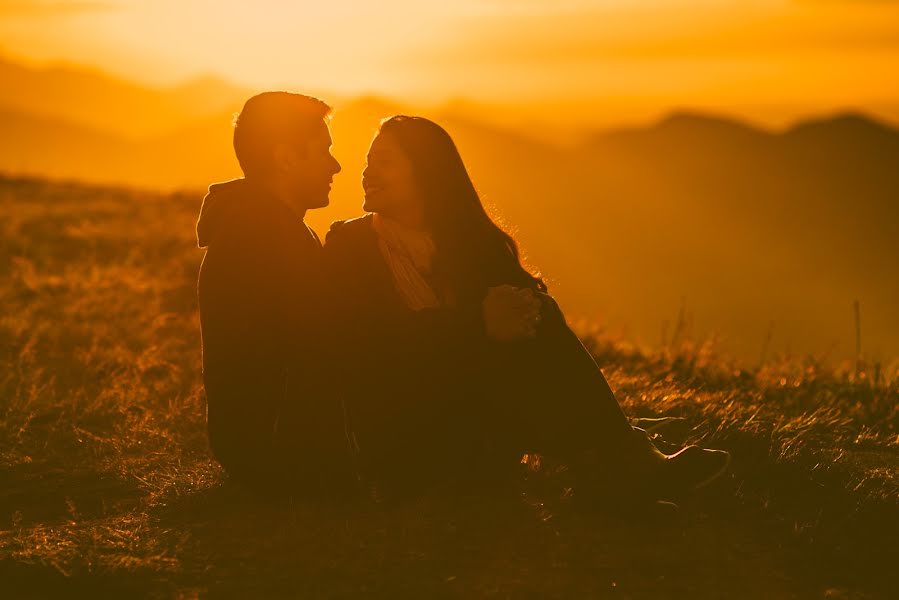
234,215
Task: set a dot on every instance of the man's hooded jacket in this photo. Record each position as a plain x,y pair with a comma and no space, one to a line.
262,327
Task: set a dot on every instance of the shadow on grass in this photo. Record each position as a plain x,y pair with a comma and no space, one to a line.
483,542
527,538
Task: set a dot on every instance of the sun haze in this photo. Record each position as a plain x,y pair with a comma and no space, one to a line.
768,59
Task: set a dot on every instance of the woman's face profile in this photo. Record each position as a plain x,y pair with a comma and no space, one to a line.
388,179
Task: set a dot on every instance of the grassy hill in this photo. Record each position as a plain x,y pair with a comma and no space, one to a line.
107,487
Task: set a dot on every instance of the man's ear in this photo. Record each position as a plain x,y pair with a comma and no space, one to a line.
284,157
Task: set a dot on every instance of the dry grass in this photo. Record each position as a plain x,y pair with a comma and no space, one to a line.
107,486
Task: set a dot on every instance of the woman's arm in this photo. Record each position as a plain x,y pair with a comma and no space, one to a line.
365,303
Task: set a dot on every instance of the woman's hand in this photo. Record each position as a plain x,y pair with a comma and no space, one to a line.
511,314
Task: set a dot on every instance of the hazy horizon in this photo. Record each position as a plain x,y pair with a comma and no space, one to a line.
769,62
549,120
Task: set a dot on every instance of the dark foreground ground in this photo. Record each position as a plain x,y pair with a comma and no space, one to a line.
107,487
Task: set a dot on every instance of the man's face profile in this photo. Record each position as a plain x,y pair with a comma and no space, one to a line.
309,167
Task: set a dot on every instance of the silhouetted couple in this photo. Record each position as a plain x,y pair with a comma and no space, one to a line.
412,347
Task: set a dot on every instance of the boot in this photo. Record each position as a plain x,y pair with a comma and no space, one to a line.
639,472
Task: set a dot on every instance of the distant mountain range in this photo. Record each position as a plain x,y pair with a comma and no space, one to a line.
102,102
740,226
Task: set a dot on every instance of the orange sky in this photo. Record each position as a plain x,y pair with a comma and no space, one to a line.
630,56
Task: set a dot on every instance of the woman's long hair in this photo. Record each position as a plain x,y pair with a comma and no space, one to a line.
472,252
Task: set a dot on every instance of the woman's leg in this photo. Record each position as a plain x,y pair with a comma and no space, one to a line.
547,395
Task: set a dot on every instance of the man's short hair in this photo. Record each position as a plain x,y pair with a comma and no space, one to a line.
270,118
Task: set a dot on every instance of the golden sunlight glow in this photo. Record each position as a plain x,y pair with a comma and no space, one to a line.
628,55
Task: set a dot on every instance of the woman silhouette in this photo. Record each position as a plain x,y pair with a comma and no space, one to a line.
454,355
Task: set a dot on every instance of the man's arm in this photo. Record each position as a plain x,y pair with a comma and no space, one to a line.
243,375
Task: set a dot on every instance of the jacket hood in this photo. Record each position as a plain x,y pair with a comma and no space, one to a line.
220,207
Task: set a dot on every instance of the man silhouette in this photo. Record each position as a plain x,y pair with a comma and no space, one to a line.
259,295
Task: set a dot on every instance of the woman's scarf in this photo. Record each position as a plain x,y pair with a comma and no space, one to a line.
409,253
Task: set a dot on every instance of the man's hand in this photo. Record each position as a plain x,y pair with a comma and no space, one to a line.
511,314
